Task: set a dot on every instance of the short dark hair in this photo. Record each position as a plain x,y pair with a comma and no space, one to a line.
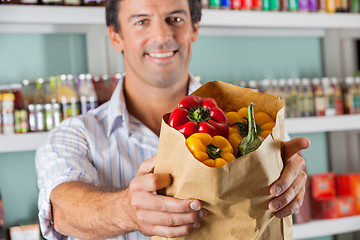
112,9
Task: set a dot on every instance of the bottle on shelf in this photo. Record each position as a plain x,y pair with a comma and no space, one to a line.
319,98
256,5
28,92
67,96
303,5
349,95
93,3
338,96
321,4
204,3
293,98
87,94
300,99
293,5
357,98
235,4
225,4
309,109
313,5
329,97
7,113
72,2
40,96
215,4
21,121
330,6
52,2
354,6
246,5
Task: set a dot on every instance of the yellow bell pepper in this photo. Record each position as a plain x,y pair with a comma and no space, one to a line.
213,151
261,118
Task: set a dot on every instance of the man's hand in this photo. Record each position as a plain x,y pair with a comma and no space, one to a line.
289,190
157,215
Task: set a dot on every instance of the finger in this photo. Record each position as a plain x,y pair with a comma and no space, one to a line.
294,146
160,203
169,219
174,232
290,172
293,206
291,194
150,182
147,166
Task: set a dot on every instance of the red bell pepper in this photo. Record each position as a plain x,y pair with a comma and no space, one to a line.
196,114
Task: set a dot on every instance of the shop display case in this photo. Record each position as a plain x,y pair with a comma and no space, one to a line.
339,32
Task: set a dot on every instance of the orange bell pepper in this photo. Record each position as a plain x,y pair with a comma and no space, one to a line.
213,151
264,123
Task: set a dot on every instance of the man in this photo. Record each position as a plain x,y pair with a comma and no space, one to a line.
93,178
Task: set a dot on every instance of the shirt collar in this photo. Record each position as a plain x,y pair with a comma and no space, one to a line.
117,111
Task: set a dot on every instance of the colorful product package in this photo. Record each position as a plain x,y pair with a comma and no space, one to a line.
235,195
323,185
349,185
333,207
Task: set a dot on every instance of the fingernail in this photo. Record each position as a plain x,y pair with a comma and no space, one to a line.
196,225
195,206
277,190
202,214
275,205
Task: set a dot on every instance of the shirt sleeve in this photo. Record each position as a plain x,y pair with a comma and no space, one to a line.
65,156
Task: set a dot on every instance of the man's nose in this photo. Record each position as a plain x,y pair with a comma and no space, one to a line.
162,32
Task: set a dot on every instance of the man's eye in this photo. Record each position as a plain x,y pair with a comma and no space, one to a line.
141,22
175,19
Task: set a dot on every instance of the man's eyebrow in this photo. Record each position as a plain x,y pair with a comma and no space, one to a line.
140,15
180,11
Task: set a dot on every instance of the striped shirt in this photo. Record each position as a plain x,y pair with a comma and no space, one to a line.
104,147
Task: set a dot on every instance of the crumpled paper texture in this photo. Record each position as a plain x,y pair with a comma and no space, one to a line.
236,195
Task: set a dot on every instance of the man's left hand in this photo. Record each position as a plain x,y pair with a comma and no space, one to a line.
289,190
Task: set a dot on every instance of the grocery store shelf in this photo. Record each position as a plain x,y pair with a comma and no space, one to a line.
19,14
318,228
323,124
21,142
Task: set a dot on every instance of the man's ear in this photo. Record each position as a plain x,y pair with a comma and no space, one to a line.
116,39
195,34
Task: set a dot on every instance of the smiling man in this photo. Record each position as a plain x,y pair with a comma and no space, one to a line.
95,171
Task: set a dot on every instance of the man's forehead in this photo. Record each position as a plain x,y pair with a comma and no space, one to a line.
153,5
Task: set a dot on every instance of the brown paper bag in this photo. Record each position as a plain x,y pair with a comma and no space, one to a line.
236,195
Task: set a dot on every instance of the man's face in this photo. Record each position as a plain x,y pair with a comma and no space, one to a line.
156,38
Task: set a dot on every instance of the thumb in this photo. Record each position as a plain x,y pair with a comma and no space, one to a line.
293,146
147,166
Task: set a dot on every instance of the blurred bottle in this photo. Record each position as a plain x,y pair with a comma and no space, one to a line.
329,93
215,4
354,6
9,2
72,2
235,4
313,5
300,98
293,98
93,3
338,96
303,5
319,97
274,5
357,97
225,4
284,5
7,113
87,94
275,88
28,92
293,5
246,5
349,95
52,2
51,90
256,5
40,96
321,5
204,3
309,107
67,97
330,6
21,121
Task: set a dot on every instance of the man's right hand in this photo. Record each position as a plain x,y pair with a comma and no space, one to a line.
157,215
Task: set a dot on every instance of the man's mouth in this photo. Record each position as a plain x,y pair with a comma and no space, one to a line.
162,55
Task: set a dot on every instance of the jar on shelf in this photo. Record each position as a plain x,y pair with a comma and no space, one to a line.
20,112
8,113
